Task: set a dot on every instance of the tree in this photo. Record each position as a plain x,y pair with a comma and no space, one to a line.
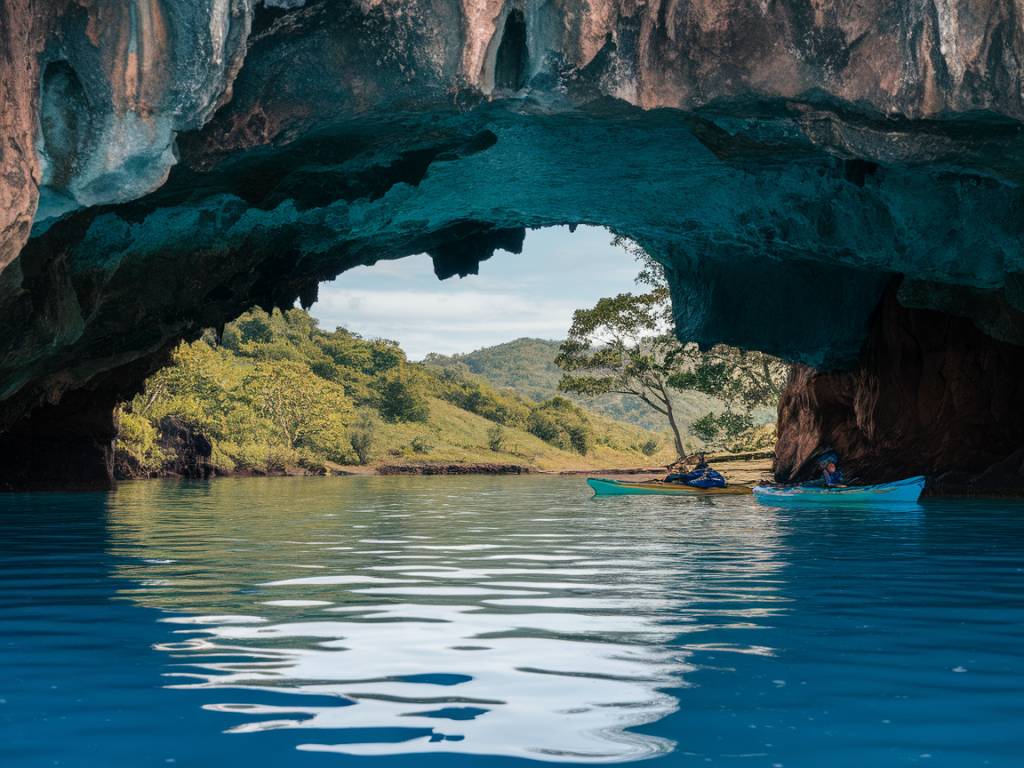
363,435
620,345
650,447
626,344
742,379
496,438
307,410
278,392
401,400
196,371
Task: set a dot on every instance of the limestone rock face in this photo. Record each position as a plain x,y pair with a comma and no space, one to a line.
120,80
165,165
101,88
24,29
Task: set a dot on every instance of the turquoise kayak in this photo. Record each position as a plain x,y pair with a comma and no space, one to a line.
900,492
603,487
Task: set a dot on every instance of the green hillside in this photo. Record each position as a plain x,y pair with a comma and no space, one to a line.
527,366
454,435
277,394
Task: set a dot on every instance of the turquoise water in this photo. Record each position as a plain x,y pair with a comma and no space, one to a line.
386,622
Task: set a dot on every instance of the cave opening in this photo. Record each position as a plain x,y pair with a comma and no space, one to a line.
510,63
429,358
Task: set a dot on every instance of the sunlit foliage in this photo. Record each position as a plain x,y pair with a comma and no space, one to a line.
276,392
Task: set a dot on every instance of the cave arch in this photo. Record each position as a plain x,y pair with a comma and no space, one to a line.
772,243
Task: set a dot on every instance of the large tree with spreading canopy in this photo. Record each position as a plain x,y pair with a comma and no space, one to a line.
626,344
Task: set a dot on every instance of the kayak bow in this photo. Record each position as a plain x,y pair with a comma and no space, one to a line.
604,487
900,492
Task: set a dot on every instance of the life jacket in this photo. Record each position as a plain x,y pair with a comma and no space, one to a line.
833,478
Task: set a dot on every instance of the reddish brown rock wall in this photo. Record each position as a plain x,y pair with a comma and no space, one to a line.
931,395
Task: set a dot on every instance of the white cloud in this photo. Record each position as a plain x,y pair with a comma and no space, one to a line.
529,294
442,321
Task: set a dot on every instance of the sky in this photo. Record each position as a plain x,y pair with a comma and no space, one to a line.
529,294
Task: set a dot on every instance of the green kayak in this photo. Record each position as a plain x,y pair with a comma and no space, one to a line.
604,487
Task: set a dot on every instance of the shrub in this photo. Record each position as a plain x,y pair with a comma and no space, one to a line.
562,424
481,399
362,436
251,328
137,450
400,401
220,460
263,458
706,428
279,457
650,447
722,430
421,444
496,438
312,464
580,438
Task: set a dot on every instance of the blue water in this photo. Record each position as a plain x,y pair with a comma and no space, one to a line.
386,622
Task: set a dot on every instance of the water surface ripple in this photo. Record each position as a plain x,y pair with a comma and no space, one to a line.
488,621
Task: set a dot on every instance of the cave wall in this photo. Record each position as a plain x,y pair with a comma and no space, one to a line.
66,446
25,26
930,395
166,165
745,227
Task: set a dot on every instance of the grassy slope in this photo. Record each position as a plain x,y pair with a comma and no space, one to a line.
527,366
458,436
269,374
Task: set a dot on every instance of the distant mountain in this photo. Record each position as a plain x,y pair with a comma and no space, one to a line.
527,366
524,365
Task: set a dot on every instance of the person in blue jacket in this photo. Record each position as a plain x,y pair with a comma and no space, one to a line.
701,476
832,476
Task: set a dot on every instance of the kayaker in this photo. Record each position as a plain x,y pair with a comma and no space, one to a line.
832,476
701,476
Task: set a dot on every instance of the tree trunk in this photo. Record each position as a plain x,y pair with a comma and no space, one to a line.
680,450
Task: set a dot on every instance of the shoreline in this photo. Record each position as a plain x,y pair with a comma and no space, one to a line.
739,468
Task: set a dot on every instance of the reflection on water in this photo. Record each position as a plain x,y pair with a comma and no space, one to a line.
496,622
487,617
